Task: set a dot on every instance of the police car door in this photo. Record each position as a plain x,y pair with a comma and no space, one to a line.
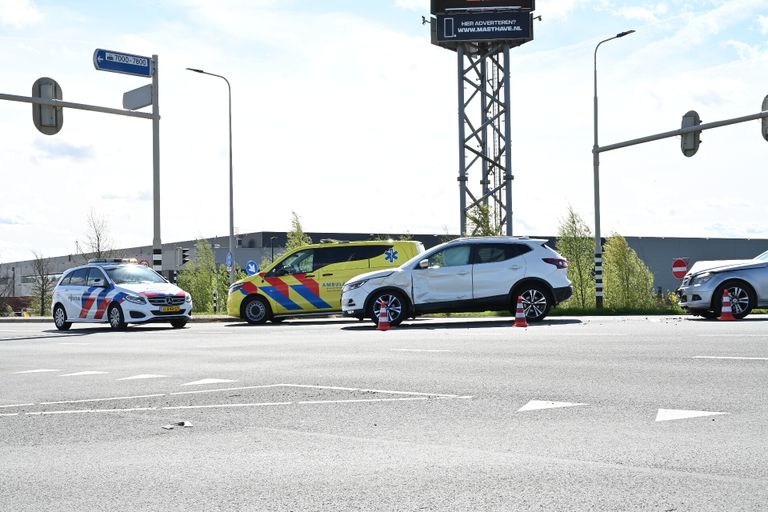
447,278
73,293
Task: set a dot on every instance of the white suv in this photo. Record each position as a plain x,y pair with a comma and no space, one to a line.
118,291
466,274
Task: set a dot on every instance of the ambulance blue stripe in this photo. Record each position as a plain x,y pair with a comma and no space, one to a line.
308,294
278,297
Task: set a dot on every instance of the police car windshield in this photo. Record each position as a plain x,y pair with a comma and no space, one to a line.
133,274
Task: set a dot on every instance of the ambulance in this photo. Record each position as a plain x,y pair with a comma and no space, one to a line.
308,280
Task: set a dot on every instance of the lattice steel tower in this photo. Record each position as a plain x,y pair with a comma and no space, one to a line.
481,32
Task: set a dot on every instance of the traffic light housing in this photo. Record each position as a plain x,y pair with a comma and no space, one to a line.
689,142
47,119
764,120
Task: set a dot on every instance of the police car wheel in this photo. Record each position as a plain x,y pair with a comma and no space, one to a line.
116,319
256,311
60,318
396,307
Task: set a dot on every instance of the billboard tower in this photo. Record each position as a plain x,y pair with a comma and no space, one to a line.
481,32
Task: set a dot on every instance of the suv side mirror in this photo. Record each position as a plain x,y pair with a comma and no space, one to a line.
424,263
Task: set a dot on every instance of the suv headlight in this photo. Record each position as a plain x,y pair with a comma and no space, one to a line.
136,299
353,286
701,278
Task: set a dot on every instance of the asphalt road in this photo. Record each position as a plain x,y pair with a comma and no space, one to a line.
659,413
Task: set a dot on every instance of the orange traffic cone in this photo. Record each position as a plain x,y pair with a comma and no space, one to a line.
383,316
520,320
726,313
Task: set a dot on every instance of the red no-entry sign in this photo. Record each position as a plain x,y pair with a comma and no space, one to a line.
679,268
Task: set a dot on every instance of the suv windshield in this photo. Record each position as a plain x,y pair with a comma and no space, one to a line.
134,274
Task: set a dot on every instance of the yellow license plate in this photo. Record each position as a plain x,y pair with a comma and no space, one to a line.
170,309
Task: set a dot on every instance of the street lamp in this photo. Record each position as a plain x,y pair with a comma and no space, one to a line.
596,169
231,201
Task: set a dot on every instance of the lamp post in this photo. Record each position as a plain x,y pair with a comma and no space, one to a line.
231,201
596,171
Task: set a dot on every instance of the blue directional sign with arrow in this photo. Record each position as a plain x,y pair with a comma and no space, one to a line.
126,63
251,267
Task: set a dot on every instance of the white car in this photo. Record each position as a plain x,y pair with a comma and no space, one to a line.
118,291
466,274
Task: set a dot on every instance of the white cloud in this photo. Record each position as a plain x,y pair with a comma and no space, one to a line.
413,5
19,13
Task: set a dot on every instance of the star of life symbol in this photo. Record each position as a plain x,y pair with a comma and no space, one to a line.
390,255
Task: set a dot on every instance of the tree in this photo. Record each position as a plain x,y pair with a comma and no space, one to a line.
483,221
628,281
98,243
296,236
42,288
576,244
200,277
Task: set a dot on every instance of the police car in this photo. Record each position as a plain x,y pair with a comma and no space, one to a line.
308,280
118,292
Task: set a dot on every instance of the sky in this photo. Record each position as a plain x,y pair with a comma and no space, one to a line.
344,113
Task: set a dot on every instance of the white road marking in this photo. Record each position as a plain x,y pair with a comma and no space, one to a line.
729,335
8,414
41,370
418,350
218,390
214,406
15,405
80,374
387,391
207,381
536,405
102,399
144,376
681,414
359,400
733,357
85,411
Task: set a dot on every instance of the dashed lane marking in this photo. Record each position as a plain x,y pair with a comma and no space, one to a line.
81,374
39,370
418,350
144,376
682,414
733,357
536,405
85,400
207,381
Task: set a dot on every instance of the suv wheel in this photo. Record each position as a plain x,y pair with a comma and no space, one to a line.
256,311
116,319
536,301
60,318
396,307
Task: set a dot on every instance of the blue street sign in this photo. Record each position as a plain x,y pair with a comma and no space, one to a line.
251,267
229,259
117,62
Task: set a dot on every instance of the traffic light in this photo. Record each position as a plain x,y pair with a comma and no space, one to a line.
689,142
764,120
184,255
47,119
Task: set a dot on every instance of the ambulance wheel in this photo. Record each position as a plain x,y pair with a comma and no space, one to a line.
256,311
60,318
396,307
116,318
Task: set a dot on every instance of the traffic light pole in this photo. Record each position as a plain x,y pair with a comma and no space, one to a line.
682,131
